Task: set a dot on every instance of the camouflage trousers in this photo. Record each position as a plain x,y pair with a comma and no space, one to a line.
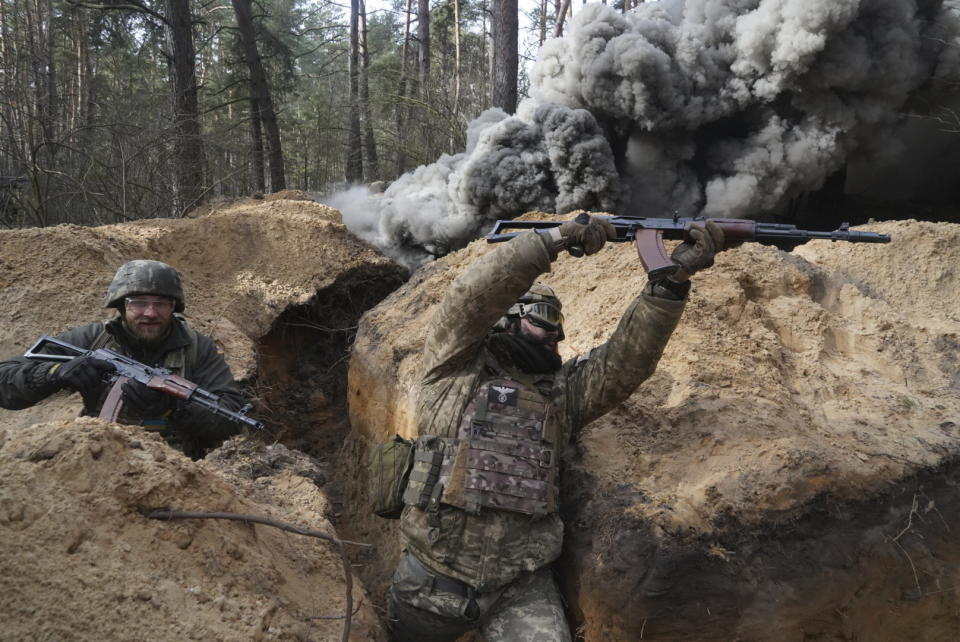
422,607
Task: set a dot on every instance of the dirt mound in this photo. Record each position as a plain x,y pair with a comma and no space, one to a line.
243,267
80,560
788,471
288,195
826,375
280,284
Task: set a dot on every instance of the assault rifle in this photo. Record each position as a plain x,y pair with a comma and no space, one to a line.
648,234
126,368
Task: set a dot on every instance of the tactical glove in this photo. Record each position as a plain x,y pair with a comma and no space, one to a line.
697,253
586,233
83,374
143,401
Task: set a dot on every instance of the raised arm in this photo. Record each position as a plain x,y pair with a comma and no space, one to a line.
611,372
479,296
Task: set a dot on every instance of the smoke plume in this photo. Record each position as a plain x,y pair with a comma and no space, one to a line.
716,107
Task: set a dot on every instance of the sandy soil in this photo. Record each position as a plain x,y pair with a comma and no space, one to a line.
788,473
79,560
243,265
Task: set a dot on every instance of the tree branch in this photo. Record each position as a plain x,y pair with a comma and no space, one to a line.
339,543
130,5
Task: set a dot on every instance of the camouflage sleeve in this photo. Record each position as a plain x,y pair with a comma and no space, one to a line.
612,371
211,373
480,296
24,383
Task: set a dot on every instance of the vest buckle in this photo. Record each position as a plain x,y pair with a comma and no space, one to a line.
546,457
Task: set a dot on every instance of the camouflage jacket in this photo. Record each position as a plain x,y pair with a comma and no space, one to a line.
491,548
23,382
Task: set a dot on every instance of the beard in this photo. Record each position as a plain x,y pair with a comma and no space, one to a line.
544,342
529,356
147,332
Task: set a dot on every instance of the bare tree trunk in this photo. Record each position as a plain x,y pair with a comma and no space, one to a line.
423,59
423,54
561,15
457,72
49,115
369,143
505,58
79,101
6,108
484,52
256,146
188,146
261,90
402,108
543,22
354,172
11,118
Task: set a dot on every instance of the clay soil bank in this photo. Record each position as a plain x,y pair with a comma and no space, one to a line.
788,473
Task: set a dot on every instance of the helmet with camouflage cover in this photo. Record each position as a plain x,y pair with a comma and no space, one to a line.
145,277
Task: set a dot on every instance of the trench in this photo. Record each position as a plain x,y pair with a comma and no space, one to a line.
301,392
880,569
301,385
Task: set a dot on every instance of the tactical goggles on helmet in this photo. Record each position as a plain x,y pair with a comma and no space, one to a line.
543,314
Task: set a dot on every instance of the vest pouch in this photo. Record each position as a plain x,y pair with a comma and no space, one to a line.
453,474
427,461
390,466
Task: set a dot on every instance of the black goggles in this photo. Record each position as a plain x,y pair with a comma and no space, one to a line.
543,314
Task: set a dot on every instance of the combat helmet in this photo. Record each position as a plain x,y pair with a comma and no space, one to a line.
145,277
541,304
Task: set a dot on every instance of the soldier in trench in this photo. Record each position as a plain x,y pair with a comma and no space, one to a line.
148,297
480,525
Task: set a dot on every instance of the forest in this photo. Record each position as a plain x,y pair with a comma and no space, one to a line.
119,110
483,109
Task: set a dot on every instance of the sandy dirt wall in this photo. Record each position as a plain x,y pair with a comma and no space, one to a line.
79,559
242,266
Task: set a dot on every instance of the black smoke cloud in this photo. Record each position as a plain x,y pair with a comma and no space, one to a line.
719,107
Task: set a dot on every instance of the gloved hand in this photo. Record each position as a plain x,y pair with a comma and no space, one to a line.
586,232
697,253
82,374
143,401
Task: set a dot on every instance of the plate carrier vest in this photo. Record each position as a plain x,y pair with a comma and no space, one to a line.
504,455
